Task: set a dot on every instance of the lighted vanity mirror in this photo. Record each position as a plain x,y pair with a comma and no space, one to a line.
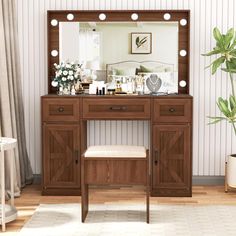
121,44
122,48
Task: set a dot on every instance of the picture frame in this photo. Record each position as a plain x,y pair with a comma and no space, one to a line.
141,43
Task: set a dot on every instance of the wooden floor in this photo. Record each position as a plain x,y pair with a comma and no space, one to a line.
31,198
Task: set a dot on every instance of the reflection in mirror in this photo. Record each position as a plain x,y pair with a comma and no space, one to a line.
54,53
102,16
54,22
183,22
70,16
182,83
167,16
134,16
183,53
97,44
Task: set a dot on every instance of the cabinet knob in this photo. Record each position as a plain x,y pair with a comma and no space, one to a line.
60,109
171,109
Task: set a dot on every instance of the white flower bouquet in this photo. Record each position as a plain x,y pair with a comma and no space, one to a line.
66,74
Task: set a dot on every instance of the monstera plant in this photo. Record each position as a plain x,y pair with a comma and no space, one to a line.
225,53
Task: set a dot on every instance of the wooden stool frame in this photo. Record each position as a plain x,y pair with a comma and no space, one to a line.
113,171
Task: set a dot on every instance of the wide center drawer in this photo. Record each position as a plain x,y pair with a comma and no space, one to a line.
116,108
172,110
60,109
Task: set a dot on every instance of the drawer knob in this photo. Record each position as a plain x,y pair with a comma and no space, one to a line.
60,109
118,108
172,110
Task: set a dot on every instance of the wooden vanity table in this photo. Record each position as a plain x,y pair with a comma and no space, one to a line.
64,118
64,138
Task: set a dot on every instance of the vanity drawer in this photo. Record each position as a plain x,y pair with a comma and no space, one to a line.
172,110
60,109
116,108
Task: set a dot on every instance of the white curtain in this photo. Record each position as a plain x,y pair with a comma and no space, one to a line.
11,103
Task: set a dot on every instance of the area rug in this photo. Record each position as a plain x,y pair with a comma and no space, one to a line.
122,220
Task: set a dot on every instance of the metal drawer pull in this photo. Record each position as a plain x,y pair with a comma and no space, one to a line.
118,108
60,109
156,157
172,110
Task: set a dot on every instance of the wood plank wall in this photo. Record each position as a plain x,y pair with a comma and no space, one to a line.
211,144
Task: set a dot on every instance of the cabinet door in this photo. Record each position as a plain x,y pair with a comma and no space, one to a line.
61,156
172,160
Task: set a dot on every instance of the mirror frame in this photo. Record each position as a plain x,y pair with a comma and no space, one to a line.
122,15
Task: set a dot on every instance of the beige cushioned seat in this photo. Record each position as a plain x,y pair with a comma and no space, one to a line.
116,151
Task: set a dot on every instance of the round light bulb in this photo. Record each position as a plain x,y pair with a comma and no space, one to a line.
70,16
54,22
167,16
134,16
102,16
54,53
183,22
183,53
182,83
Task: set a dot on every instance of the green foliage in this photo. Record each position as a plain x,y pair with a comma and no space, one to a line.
225,48
139,42
225,53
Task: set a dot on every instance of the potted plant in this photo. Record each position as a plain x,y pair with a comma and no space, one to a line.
66,75
225,52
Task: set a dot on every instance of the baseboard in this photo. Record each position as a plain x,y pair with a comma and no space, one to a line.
197,180
37,179
208,180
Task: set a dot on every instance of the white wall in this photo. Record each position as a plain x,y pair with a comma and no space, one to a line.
210,143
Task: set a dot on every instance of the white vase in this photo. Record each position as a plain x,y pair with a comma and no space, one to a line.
231,171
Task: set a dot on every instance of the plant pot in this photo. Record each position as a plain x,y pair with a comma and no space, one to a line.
231,171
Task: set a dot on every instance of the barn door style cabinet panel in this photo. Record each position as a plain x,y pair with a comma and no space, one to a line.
171,145
61,147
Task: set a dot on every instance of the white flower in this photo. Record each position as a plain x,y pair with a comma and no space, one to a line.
54,83
71,72
58,73
76,76
68,66
55,64
70,77
64,79
65,72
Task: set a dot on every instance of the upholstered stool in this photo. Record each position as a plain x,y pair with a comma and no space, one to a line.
114,165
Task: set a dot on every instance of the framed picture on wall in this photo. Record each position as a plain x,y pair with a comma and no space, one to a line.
141,43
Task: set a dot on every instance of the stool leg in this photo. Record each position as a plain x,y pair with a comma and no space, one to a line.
3,190
84,201
226,180
147,199
12,177
84,193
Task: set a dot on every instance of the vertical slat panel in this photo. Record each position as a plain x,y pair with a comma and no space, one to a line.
210,143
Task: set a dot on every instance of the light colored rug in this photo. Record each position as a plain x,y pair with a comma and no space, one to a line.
122,220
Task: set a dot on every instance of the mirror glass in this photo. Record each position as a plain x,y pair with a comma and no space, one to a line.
98,44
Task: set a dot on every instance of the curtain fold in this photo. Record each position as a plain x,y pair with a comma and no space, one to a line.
11,101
